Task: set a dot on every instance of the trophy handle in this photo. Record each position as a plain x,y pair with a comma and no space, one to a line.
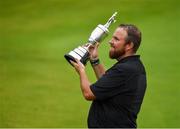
101,31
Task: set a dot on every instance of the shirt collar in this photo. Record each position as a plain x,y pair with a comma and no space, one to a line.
129,58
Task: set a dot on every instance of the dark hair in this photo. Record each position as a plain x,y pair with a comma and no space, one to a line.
134,35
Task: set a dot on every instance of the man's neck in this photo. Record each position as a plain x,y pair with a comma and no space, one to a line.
125,55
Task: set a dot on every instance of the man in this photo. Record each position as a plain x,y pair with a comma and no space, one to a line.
118,93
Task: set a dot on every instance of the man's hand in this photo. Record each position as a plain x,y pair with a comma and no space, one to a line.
93,51
98,68
78,66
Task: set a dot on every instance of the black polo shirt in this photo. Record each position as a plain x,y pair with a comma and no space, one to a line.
119,95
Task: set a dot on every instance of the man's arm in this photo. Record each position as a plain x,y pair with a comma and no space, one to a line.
98,68
84,81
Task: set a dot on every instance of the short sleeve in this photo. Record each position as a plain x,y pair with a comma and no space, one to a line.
110,84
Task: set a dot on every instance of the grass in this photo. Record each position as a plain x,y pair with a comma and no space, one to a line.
38,88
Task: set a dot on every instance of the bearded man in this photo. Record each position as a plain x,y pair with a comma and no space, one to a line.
118,93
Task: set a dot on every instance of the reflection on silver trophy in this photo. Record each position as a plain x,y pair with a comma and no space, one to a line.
98,34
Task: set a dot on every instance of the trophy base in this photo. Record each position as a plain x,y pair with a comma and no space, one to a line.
83,59
69,58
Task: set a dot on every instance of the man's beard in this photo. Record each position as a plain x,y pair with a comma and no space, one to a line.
115,54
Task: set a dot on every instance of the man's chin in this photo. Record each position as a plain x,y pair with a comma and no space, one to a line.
114,55
111,55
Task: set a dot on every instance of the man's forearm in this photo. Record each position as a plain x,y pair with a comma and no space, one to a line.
85,86
99,70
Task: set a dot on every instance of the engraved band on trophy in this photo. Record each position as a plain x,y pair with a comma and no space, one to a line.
98,34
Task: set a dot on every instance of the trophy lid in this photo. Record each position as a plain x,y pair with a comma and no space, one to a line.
111,20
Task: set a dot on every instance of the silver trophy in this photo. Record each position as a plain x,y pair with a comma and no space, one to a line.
98,34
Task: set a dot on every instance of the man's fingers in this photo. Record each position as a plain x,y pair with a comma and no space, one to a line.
91,47
73,63
78,62
97,44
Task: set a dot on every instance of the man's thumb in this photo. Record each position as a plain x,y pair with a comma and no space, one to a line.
97,45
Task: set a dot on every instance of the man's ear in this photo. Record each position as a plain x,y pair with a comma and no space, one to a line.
129,46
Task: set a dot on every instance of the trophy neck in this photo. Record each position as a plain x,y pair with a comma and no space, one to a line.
108,24
87,45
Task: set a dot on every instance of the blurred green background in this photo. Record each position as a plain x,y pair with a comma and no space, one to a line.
38,88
